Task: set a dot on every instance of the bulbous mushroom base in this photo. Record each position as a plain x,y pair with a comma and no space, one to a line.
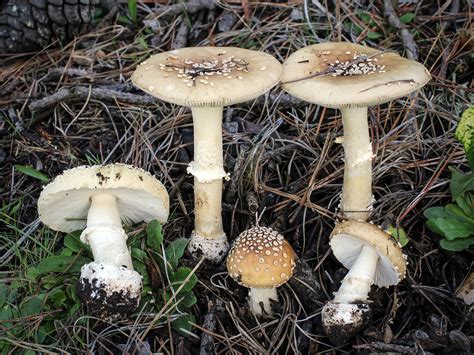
109,291
341,321
213,249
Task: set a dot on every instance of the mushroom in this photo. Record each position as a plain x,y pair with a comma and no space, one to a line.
351,77
261,259
207,79
372,257
98,198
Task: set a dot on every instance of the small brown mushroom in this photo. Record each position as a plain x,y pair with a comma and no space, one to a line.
261,259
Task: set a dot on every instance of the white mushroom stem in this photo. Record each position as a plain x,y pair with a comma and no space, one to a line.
357,195
262,295
104,232
208,171
356,285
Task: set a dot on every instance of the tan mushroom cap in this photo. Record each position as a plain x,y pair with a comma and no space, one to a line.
208,76
261,258
64,203
348,238
380,77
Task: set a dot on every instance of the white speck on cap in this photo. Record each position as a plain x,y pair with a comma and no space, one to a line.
261,269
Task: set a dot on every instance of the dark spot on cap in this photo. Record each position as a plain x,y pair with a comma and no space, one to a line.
118,176
140,177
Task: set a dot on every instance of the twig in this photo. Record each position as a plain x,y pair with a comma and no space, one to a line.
405,35
82,92
191,7
380,346
207,340
181,38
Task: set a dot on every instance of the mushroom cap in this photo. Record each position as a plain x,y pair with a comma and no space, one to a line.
64,203
208,76
377,79
348,238
261,258
109,291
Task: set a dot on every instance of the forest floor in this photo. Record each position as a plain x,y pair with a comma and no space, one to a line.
74,104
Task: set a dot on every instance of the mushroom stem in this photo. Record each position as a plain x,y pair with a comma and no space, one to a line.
104,232
356,284
208,171
262,295
357,195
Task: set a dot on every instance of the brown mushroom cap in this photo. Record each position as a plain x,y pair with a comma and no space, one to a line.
208,76
350,75
348,238
261,258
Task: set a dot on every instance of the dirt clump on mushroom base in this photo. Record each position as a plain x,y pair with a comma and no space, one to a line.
96,295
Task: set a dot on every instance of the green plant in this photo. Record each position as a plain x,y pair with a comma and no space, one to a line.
455,221
131,17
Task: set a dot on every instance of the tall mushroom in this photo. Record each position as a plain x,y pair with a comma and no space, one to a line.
98,198
261,259
351,78
207,79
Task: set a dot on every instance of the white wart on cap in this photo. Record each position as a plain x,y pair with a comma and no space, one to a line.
208,76
341,74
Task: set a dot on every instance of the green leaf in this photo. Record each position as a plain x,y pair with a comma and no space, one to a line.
154,235
466,203
178,277
457,245
175,251
407,18
460,182
31,306
435,212
73,242
58,297
30,171
364,16
183,323
3,293
399,235
125,19
465,134
373,35
188,299
458,211
132,10
58,264
142,42
6,313
451,229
